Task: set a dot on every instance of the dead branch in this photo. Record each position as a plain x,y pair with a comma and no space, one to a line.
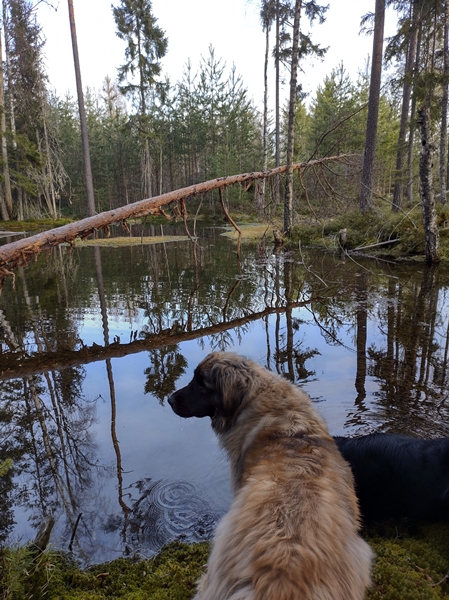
230,219
20,252
395,241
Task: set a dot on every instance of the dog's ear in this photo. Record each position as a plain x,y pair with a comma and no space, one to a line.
231,381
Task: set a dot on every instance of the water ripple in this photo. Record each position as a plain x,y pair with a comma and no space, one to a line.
169,510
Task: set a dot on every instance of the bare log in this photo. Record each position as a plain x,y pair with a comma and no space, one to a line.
386,243
22,251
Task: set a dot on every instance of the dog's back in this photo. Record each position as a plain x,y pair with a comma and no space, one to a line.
291,532
398,476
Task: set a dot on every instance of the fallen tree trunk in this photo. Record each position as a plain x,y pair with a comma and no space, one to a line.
22,251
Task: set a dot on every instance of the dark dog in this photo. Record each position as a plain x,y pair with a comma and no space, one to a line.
399,477
292,529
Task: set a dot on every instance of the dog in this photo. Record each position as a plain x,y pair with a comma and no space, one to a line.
292,529
399,477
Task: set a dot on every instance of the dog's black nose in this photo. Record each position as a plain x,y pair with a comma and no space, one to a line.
171,400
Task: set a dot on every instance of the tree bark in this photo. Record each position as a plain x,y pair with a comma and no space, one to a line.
444,107
412,124
83,120
261,187
6,204
426,187
20,252
288,200
366,192
277,183
406,95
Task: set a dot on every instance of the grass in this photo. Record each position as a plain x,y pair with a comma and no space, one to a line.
409,566
169,576
114,242
33,224
373,227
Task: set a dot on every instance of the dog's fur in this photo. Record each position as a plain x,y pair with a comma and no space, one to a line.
292,530
398,476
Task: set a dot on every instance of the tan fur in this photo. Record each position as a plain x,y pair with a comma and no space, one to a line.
292,530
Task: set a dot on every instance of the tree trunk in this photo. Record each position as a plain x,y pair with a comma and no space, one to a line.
366,192
146,170
6,204
83,120
426,187
412,125
288,200
444,103
406,95
277,183
261,187
8,70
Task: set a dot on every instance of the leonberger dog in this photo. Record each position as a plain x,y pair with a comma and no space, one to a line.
292,529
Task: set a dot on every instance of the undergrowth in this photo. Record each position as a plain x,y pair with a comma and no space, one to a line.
373,227
409,566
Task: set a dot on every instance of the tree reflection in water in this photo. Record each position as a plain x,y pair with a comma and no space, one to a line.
370,340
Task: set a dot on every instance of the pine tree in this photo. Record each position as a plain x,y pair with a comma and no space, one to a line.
366,191
146,46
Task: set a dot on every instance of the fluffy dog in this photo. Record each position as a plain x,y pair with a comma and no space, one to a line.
399,477
292,530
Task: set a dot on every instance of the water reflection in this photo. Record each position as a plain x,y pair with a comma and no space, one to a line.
92,342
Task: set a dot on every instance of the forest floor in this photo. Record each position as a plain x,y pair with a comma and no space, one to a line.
411,563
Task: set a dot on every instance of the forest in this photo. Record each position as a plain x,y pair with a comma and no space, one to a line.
93,339
148,136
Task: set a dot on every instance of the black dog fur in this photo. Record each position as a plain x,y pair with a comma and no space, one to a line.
399,477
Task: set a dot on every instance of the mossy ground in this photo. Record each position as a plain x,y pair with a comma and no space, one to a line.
169,576
115,242
33,224
373,227
409,566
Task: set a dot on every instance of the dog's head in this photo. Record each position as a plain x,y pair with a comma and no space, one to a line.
218,388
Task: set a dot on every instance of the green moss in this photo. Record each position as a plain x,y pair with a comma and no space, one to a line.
169,576
373,227
409,566
33,224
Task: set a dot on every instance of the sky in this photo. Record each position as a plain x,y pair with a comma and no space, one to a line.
232,28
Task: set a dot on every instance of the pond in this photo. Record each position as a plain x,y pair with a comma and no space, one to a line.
93,340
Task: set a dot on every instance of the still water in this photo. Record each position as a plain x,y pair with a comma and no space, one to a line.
94,340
